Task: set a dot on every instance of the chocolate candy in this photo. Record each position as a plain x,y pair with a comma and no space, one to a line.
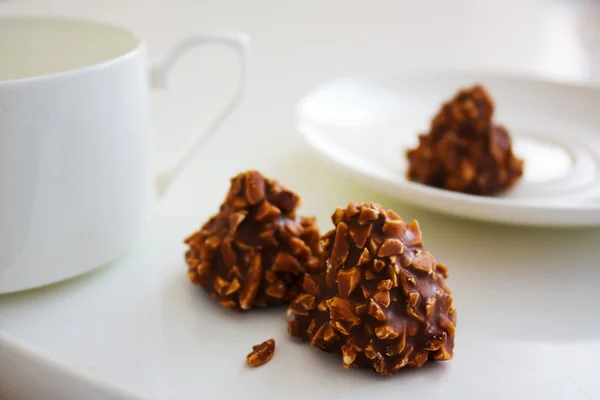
255,251
380,300
464,150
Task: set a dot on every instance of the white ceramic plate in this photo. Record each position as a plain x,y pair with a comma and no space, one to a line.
365,124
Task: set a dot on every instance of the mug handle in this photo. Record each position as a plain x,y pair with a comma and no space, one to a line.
159,73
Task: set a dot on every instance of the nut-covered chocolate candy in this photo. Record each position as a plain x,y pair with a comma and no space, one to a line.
254,252
464,150
381,299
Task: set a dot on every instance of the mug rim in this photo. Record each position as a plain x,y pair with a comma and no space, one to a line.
140,44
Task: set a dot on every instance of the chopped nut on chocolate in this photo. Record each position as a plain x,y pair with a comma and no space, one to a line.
261,353
380,301
255,251
464,150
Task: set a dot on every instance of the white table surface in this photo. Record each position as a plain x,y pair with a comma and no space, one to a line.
527,299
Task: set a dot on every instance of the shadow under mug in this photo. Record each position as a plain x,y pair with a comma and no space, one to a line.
76,181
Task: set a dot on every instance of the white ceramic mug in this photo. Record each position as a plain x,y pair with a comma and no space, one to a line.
76,180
